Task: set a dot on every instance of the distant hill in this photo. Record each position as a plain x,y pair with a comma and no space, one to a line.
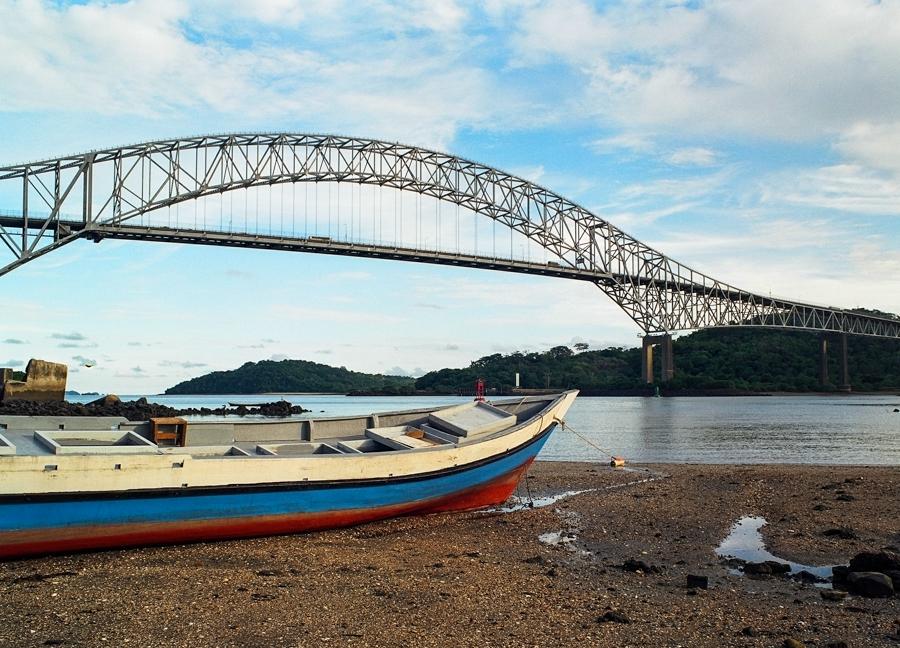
291,376
713,359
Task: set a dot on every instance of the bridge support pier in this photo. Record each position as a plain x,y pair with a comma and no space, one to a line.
844,383
823,360
845,371
667,357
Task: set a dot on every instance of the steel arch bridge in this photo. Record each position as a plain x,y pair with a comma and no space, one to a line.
122,193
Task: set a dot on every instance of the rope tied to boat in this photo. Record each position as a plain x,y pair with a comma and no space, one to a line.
614,460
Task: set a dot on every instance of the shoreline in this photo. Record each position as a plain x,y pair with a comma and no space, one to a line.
587,393
486,578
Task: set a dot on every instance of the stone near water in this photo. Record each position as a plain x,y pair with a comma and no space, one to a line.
807,577
766,568
870,584
839,574
790,642
876,561
106,401
701,582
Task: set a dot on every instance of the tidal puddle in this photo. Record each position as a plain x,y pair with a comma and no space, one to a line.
745,543
519,503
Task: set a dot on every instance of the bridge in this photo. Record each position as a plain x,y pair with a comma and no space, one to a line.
457,212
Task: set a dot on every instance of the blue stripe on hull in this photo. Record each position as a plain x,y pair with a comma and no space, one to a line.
251,503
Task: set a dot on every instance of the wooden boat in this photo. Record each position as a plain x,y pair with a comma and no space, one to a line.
64,489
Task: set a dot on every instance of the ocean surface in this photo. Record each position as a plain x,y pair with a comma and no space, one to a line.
839,429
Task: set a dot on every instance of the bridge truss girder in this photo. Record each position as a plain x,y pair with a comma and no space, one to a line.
102,194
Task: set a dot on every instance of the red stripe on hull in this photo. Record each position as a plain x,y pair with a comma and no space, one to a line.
20,544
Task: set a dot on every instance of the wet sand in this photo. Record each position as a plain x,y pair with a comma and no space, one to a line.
485,579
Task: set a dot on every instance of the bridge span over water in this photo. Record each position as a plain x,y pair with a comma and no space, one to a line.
326,194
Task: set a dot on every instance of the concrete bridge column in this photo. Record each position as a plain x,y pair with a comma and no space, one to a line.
845,371
647,362
844,377
823,360
666,358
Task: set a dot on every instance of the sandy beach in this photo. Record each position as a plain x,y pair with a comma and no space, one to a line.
487,579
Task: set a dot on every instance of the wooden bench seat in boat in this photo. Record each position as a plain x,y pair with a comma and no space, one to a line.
402,437
472,419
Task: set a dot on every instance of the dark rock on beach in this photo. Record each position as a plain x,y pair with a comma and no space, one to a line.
766,568
842,533
839,575
879,561
635,565
141,409
871,584
806,577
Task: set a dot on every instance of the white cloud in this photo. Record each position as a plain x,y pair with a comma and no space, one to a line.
692,156
874,145
184,364
775,68
336,70
629,141
842,187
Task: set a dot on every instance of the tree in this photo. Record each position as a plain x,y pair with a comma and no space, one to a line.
560,352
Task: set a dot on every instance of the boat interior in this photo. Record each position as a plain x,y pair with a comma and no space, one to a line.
399,431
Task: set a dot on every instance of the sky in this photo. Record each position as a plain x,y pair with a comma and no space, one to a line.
758,142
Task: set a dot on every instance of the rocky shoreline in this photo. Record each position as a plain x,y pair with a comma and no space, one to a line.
605,557
141,409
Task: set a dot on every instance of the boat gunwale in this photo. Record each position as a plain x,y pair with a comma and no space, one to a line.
291,475
552,400
64,496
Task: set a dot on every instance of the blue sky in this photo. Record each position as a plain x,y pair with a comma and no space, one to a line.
758,142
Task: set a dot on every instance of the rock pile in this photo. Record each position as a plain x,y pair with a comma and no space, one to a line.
874,574
140,409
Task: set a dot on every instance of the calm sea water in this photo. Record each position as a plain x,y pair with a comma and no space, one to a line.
845,429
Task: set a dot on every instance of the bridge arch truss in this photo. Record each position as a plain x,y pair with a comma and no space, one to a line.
107,194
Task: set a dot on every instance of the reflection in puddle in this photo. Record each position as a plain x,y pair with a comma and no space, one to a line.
518,503
745,543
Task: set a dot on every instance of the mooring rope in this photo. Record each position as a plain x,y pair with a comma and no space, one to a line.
603,451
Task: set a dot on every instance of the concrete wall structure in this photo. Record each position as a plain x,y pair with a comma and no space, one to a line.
44,381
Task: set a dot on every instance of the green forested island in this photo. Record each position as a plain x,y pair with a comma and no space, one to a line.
714,359
745,360
291,376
